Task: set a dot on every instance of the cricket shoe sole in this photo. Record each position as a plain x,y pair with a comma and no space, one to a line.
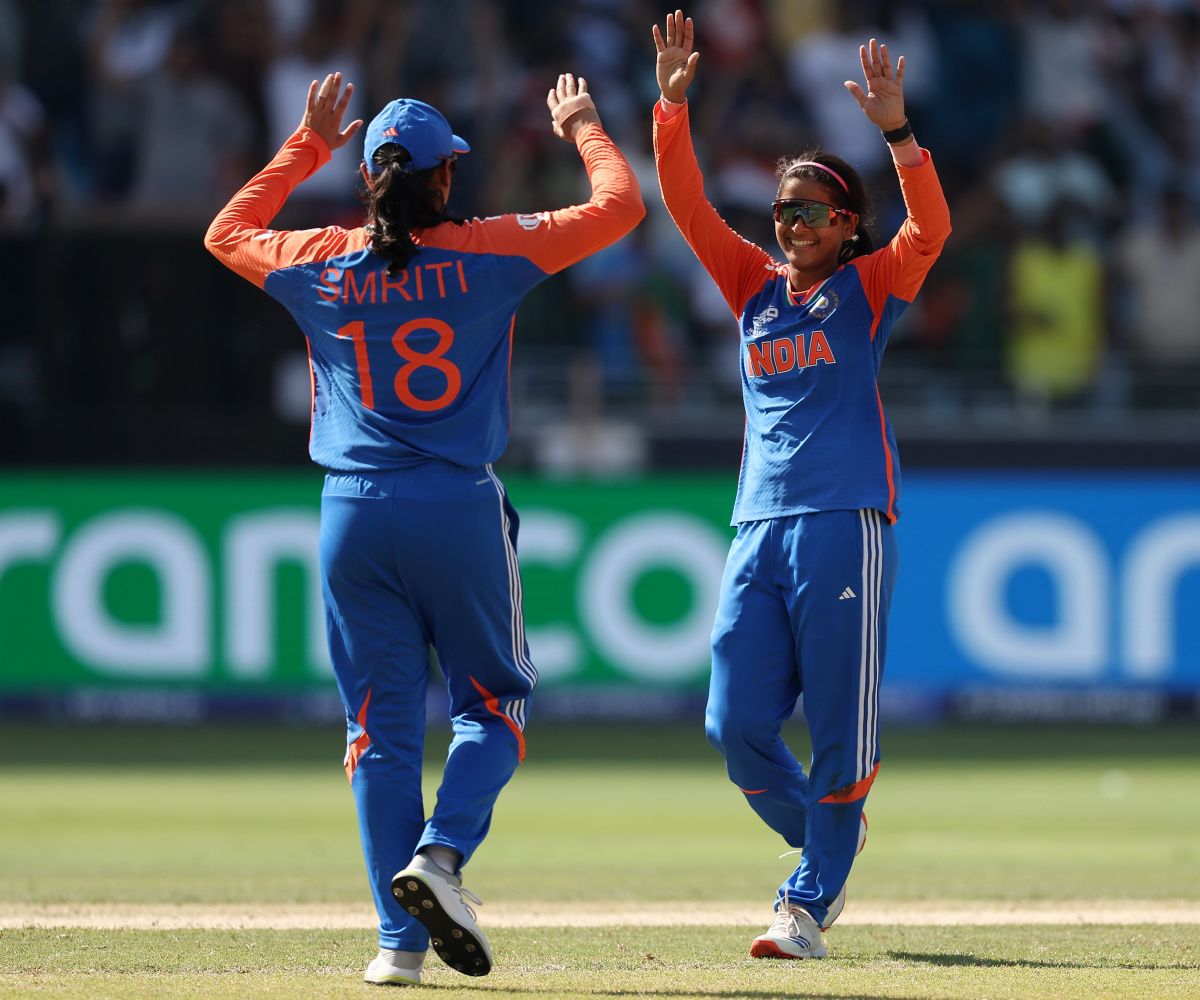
434,897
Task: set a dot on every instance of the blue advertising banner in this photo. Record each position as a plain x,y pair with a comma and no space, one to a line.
1019,579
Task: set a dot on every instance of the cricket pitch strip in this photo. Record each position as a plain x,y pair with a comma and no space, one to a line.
594,913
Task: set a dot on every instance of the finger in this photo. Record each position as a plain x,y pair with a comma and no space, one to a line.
690,69
552,99
658,38
339,109
570,85
689,35
582,86
866,65
312,94
348,132
876,63
324,91
678,26
670,31
900,71
887,63
857,93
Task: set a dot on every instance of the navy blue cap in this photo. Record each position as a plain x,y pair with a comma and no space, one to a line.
418,127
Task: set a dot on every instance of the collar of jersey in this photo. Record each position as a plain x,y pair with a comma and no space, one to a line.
809,295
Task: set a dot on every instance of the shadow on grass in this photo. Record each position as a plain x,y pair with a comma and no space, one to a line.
976,961
599,994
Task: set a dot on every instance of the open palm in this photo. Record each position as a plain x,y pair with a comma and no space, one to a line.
676,64
883,100
326,108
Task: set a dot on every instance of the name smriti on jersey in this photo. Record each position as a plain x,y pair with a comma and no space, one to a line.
415,283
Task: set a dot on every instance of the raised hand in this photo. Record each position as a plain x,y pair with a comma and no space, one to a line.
570,106
326,108
676,64
883,101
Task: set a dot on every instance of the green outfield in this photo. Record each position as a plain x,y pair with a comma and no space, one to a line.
636,817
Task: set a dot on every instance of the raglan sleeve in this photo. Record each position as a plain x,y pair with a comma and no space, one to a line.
239,238
554,240
899,269
737,266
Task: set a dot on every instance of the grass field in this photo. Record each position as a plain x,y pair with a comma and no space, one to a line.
627,816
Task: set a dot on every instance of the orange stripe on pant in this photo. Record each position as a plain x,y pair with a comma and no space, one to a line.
852,793
492,704
359,746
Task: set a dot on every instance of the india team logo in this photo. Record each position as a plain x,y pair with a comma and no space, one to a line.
825,305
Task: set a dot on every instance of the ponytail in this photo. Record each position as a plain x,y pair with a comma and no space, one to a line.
815,165
399,201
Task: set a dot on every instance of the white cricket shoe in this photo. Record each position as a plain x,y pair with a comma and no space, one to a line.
395,968
435,897
793,934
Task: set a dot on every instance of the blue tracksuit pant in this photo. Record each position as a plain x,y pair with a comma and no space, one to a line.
803,610
413,559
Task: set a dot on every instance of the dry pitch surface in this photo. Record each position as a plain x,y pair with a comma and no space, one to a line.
948,913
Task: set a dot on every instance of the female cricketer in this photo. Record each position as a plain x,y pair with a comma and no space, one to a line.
805,594
409,323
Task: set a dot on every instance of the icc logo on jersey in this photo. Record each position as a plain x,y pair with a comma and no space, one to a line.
759,326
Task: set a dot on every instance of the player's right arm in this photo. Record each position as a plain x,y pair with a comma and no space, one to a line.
735,264
239,238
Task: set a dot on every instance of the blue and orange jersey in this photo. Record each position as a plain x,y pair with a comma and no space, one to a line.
817,436
413,366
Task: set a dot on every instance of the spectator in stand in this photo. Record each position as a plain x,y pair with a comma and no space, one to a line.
979,53
128,42
335,35
1049,167
190,170
25,175
1057,323
1065,81
243,33
1159,262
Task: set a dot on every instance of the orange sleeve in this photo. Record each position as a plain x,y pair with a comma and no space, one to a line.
556,240
738,266
899,269
238,236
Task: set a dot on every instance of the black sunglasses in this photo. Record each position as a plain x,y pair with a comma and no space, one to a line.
814,214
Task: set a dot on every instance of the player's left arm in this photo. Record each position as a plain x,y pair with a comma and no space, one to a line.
615,207
239,238
899,269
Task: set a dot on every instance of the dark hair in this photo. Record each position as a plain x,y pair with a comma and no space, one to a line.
855,199
399,201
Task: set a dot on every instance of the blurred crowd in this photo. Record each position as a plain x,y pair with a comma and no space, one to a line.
1065,133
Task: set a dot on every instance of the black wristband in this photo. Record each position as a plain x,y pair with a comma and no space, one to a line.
898,134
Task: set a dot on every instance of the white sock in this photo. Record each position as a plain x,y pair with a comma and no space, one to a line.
446,858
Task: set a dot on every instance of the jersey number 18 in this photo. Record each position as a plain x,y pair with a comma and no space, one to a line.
435,358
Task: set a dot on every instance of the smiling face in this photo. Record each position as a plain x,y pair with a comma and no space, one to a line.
812,253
